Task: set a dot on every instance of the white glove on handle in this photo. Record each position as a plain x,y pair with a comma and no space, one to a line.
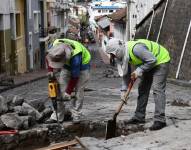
66,97
137,73
50,74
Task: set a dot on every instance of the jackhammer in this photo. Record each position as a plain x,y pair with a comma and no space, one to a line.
54,93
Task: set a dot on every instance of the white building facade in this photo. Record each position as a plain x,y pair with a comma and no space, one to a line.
138,9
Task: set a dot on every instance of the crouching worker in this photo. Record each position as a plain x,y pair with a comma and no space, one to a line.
152,62
73,59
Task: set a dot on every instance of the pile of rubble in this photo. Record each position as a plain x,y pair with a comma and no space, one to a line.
18,113
181,102
111,73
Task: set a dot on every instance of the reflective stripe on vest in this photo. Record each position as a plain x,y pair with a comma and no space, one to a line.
77,48
161,53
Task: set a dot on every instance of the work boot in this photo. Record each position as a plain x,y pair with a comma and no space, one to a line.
134,121
157,125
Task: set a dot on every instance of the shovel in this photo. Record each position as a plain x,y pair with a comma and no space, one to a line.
111,124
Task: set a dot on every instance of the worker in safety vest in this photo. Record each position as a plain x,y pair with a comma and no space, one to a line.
152,62
74,61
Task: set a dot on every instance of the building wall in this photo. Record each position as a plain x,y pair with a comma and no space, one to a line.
20,38
172,35
119,30
142,8
5,38
5,7
138,9
5,46
32,36
45,37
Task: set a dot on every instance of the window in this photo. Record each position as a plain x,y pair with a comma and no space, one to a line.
1,21
99,11
104,10
30,10
111,10
18,24
12,21
36,22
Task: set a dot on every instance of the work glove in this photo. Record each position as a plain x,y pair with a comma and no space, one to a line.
136,74
66,97
51,75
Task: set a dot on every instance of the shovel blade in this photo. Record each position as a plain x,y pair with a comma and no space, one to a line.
110,129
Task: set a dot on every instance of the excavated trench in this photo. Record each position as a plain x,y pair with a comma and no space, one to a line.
45,134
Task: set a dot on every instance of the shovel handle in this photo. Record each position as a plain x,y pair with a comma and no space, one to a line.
132,81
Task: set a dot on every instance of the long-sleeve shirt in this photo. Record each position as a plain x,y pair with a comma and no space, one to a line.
149,60
75,67
142,52
75,63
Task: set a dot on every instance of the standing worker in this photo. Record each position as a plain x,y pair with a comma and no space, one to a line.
74,61
152,62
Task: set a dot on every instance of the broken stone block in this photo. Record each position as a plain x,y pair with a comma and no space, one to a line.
11,120
3,105
2,125
17,100
32,111
25,122
38,104
46,114
21,111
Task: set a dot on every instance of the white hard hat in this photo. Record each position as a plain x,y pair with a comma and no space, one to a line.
58,55
115,46
119,49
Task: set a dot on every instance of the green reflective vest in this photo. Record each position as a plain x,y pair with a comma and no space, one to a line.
161,53
77,48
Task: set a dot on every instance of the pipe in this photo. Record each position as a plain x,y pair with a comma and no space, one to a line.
162,21
183,50
5,132
151,23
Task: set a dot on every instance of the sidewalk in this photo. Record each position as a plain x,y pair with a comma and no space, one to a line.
25,78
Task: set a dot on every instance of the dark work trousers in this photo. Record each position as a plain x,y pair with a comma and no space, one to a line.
157,78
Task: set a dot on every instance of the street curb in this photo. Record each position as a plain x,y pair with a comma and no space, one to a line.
169,80
179,82
22,83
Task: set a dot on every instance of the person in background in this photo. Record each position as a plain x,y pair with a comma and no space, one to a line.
73,60
152,62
